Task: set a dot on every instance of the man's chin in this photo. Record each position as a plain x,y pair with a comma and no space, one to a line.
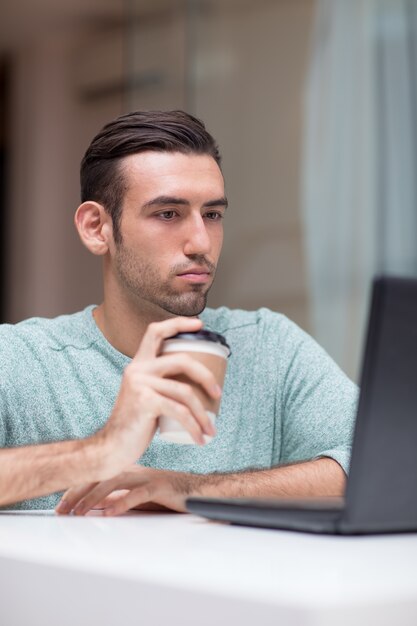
187,307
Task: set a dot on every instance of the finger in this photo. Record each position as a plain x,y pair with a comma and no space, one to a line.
71,497
135,497
150,405
96,496
183,393
156,332
173,364
181,413
108,500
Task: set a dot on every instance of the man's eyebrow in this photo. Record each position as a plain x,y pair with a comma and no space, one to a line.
170,200
218,202
163,200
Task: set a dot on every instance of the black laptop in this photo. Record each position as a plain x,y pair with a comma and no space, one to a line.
381,492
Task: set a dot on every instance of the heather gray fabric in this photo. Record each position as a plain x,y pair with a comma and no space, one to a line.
284,399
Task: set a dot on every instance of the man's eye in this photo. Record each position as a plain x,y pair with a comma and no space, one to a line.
214,215
167,215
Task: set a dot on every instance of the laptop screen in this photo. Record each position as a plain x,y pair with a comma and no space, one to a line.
382,485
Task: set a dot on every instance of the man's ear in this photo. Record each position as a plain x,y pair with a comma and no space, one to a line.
94,226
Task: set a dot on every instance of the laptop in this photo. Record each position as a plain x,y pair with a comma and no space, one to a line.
381,491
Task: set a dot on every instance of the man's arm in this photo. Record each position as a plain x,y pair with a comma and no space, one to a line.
33,471
144,395
317,402
319,477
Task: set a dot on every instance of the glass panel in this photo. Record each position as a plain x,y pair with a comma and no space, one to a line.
249,66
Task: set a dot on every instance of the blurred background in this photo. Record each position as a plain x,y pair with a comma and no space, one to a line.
313,103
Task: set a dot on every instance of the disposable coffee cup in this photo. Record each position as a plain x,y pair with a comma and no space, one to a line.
210,349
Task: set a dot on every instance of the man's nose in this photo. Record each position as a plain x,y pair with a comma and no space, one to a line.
197,240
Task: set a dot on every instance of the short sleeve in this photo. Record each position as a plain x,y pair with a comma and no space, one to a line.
318,403
5,359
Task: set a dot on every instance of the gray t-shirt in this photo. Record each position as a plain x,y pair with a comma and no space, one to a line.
284,399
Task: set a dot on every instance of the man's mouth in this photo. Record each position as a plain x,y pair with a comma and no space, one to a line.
196,274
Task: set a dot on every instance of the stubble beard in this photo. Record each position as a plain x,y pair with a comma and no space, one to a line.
143,283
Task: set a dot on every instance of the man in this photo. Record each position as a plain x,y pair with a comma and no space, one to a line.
153,204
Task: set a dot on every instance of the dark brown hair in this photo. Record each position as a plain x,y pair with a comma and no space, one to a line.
102,178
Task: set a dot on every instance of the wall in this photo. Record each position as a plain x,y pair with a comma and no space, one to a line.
53,121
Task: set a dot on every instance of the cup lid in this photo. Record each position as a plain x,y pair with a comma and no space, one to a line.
202,335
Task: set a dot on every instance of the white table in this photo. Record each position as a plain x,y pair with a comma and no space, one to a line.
155,569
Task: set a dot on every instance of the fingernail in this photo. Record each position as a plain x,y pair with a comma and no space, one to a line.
217,390
209,428
62,508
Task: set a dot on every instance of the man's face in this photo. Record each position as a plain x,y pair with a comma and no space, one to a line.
171,229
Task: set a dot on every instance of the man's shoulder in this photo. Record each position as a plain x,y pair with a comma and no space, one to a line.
53,332
224,319
268,330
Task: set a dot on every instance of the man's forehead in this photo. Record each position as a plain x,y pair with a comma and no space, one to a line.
171,173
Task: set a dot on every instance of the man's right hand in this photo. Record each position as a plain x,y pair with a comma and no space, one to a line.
147,392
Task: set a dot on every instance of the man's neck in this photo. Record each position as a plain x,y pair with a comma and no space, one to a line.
124,326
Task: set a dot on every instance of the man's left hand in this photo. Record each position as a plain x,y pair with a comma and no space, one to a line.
138,488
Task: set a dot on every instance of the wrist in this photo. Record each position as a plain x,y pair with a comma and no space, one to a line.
101,457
